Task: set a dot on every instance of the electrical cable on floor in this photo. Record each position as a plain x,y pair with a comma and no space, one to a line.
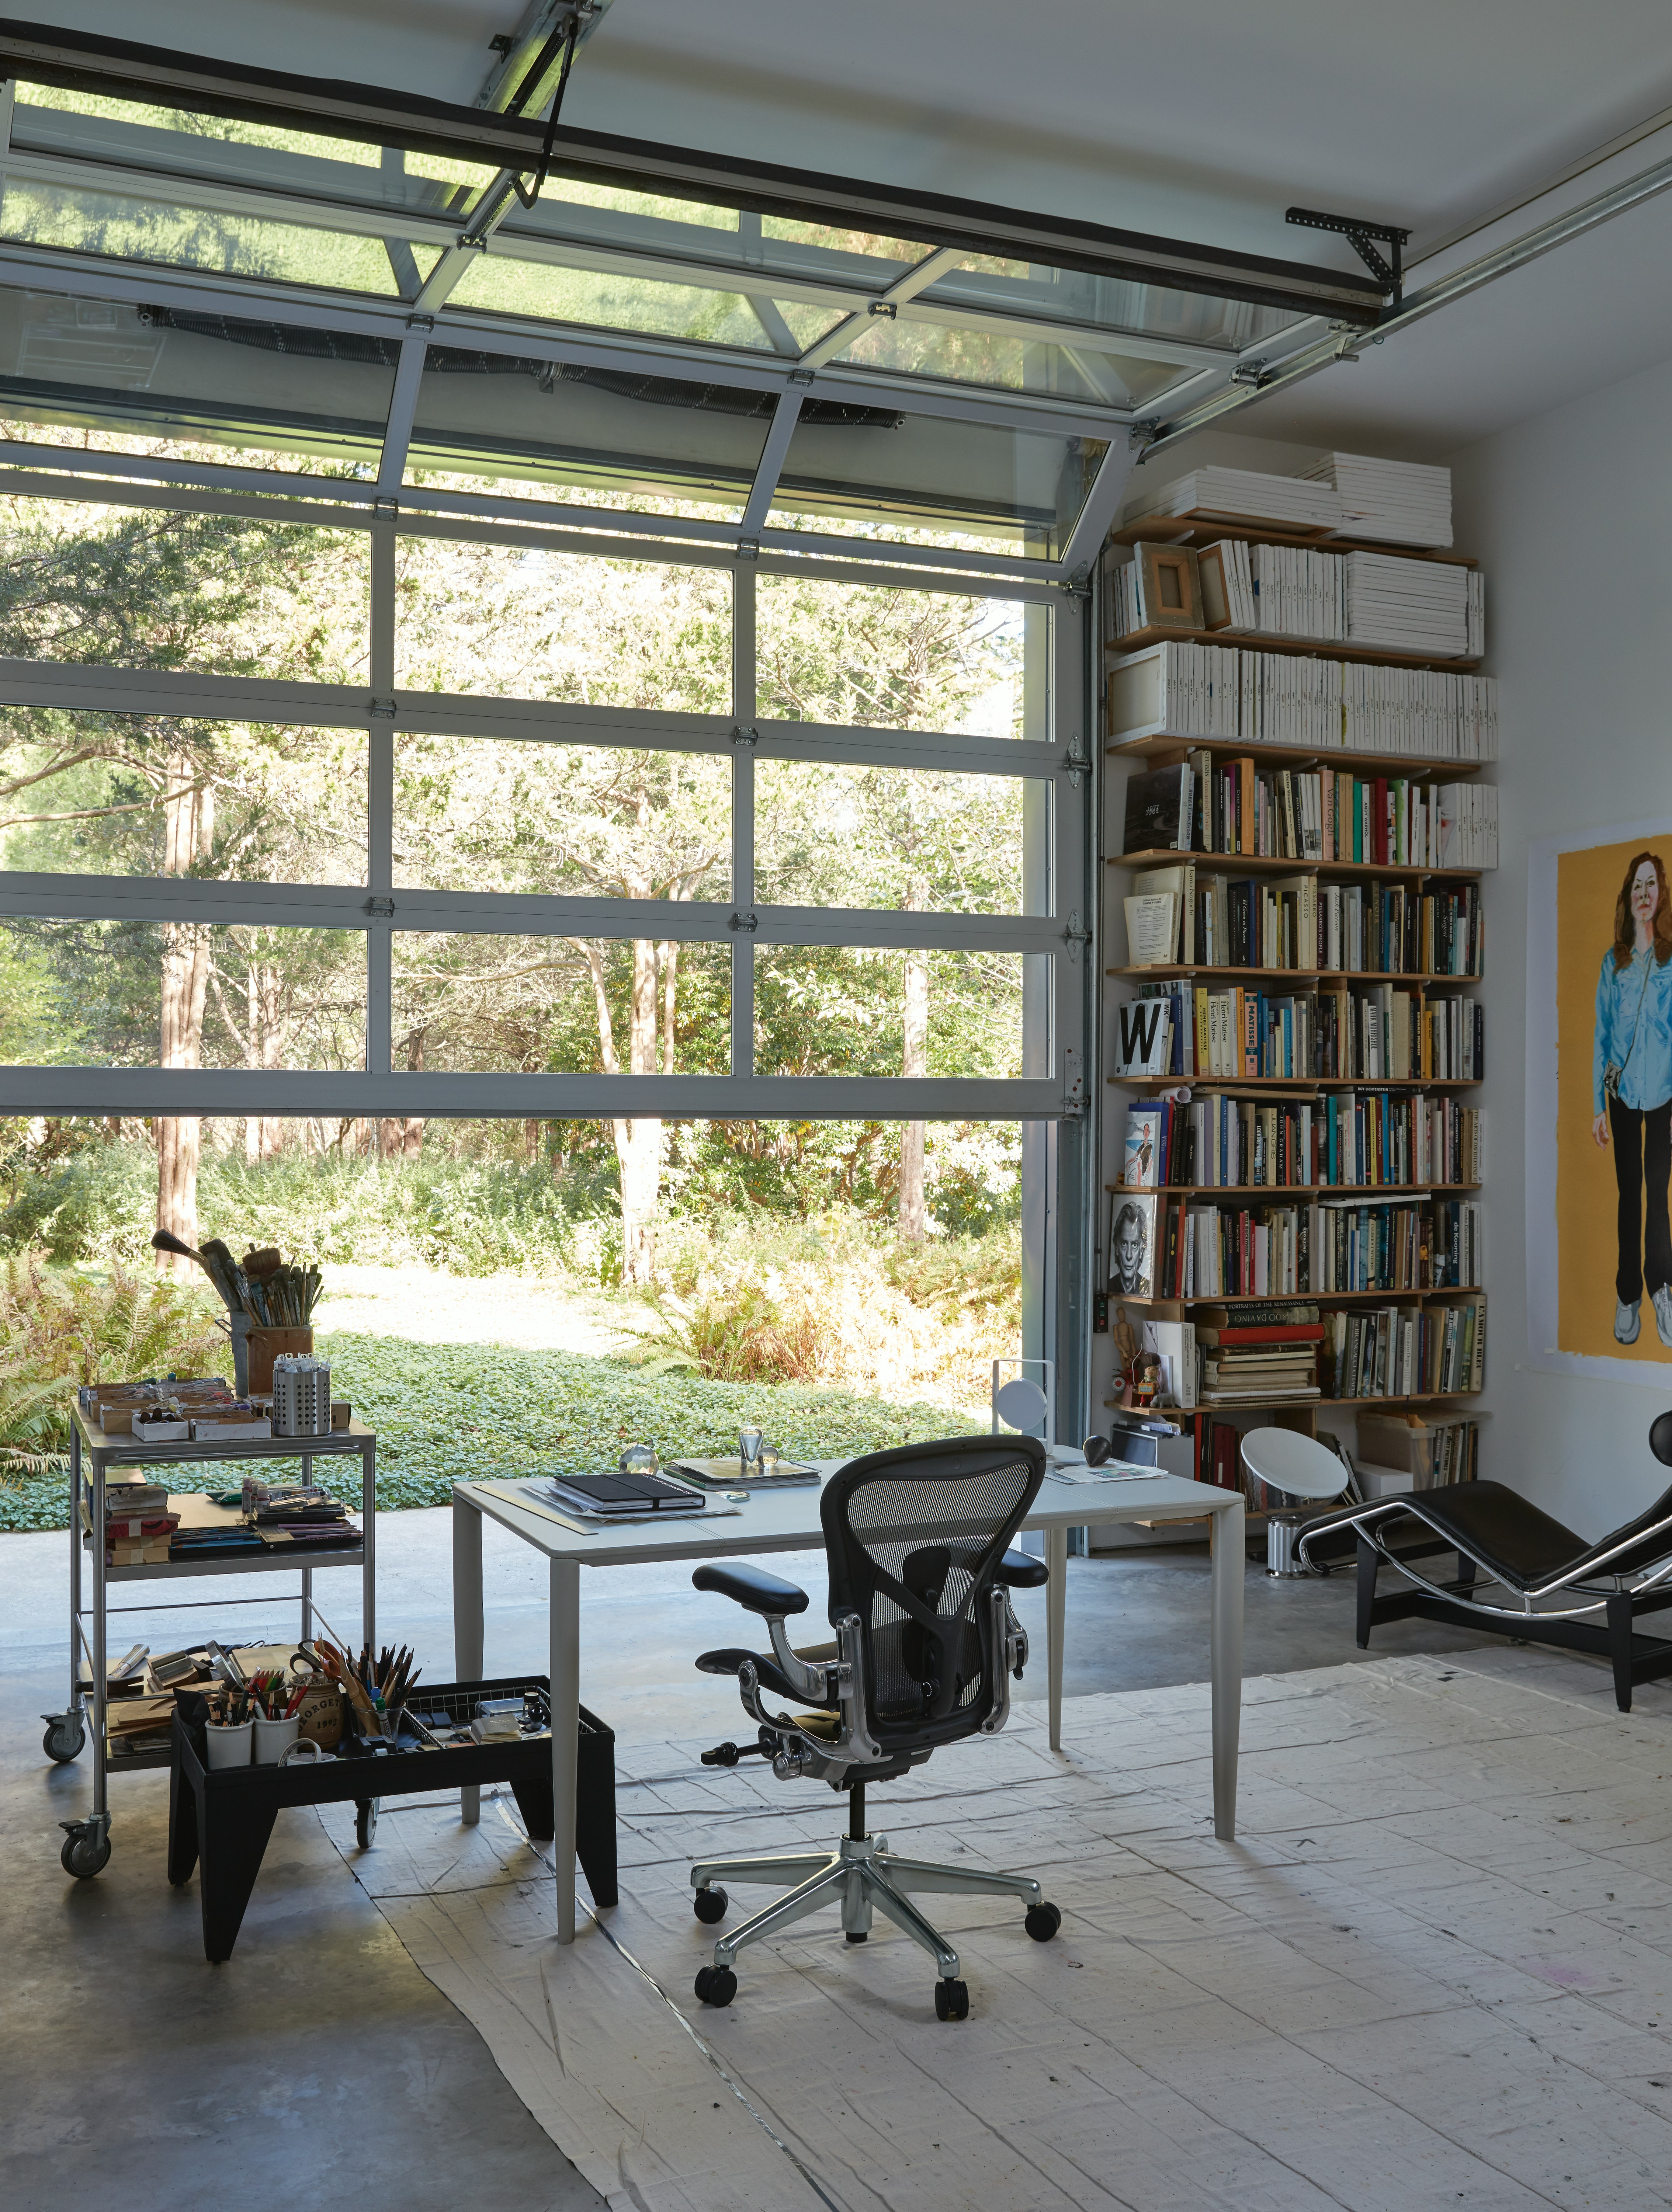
759,2117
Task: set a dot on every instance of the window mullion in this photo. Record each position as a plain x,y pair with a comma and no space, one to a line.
743,819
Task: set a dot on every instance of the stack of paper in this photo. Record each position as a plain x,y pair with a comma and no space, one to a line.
1402,501
1410,606
1307,504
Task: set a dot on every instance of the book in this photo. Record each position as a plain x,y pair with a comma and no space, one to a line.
1174,1343
1142,1038
620,1493
1141,1161
1160,810
1151,929
728,1474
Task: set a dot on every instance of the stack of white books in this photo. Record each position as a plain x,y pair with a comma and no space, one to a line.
1402,503
1409,606
1307,504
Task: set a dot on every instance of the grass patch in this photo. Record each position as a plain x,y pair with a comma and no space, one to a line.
446,1412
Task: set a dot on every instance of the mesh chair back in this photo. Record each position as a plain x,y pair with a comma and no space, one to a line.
913,1538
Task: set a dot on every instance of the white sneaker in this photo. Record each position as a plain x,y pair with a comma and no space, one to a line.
1663,1315
1627,1319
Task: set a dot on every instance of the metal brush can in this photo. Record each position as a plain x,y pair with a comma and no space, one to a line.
301,1397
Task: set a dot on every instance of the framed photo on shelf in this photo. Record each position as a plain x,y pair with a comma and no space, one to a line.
1132,1244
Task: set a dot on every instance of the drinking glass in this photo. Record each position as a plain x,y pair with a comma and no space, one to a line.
749,1451
769,1458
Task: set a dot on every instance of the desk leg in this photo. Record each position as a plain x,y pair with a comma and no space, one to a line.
467,1624
1056,1614
1230,1565
565,1732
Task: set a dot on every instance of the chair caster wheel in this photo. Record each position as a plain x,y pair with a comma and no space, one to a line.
952,2000
716,1985
65,1739
710,1904
848,1936
365,1822
86,1852
1043,1922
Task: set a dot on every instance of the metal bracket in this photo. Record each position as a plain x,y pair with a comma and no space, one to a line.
1073,937
1387,269
884,307
1253,374
1078,764
741,737
749,549
380,909
1077,587
801,376
387,507
1142,434
736,922
376,706
421,322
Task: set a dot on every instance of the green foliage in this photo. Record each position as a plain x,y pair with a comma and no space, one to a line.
448,1412
59,1331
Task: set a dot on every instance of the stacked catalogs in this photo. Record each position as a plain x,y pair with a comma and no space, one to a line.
1468,825
1307,503
1248,1360
1400,503
1408,606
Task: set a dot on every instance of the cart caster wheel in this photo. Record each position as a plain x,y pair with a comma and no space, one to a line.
952,2000
1043,1922
716,1985
365,1822
84,1855
65,1739
710,1904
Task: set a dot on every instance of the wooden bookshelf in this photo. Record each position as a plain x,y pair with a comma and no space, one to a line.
1239,864
1303,648
1296,1086
1266,1191
1169,751
1307,1297
1198,528
1175,972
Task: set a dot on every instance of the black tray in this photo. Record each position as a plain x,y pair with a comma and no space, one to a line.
219,1821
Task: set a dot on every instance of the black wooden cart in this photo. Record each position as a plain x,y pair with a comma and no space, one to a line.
219,1820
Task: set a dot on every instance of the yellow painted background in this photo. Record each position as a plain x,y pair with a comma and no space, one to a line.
1587,885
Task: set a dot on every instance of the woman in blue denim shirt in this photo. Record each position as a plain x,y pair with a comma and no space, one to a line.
1632,1089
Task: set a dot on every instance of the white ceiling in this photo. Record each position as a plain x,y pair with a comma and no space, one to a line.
1194,119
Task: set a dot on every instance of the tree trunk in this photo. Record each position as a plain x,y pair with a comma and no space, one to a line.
412,1135
188,835
915,1060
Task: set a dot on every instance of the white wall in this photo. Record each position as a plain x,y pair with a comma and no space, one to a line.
1571,515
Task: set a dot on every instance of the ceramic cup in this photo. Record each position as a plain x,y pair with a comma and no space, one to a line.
274,1738
228,1745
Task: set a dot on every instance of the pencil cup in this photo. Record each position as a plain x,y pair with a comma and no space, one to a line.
228,1743
274,1738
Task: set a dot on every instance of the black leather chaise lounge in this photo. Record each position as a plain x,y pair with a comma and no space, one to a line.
1520,1573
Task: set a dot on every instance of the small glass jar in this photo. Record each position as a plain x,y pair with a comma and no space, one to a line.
749,1452
640,1459
769,1459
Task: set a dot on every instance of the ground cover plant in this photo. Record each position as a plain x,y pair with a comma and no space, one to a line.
446,1411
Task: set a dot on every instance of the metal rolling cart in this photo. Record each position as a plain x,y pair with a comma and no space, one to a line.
87,1845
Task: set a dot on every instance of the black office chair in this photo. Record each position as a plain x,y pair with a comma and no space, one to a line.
926,1643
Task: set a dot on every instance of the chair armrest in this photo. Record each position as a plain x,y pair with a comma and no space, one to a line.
753,1588
1021,1571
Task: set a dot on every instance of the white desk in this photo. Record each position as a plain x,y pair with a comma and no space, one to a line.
787,1521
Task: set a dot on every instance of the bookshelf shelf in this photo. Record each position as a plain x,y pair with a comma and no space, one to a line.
1267,1192
1238,864
1169,751
1296,1086
1311,1299
1315,1404
1202,529
1419,978
1307,648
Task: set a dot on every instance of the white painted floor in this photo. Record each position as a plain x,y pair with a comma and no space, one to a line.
1435,1970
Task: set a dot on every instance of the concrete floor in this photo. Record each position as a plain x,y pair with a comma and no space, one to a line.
319,2065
